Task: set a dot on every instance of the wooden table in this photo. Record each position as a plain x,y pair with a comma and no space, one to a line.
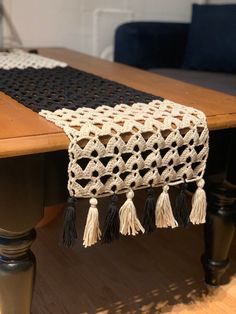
33,149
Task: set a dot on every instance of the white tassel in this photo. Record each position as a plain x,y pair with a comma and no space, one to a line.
164,214
129,222
199,205
92,231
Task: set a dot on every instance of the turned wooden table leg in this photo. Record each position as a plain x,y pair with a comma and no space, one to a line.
17,272
21,208
221,212
27,185
219,232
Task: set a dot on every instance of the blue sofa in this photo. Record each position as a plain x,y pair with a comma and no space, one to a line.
160,47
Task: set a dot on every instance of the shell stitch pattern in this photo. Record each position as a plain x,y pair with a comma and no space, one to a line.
115,149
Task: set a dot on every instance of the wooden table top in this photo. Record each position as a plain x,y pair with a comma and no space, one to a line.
23,131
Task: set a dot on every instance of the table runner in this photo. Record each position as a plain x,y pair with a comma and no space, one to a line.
121,140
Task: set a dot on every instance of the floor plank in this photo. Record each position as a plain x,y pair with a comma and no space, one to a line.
158,273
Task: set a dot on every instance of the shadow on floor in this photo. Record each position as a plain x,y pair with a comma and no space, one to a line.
145,274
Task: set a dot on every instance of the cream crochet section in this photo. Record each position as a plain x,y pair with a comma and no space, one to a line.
113,150
21,60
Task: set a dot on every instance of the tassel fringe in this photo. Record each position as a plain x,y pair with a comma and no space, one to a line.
111,228
126,221
69,234
92,231
181,211
149,212
199,204
164,214
129,223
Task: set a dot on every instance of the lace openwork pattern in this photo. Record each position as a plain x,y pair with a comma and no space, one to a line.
19,59
65,87
121,140
131,147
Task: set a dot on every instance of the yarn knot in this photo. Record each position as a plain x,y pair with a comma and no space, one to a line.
93,202
150,192
201,183
114,199
165,188
130,195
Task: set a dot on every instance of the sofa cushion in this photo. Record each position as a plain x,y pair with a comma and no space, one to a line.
222,82
211,42
151,44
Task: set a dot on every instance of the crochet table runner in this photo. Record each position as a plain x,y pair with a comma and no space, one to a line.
121,140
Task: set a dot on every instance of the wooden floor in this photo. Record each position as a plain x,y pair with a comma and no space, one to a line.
158,273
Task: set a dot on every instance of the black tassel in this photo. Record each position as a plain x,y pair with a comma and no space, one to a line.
181,210
149,212
111,227
69,230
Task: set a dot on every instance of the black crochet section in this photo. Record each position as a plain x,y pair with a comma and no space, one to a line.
66,87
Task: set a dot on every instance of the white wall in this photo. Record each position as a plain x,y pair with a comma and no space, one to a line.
83,25
221,1
1,30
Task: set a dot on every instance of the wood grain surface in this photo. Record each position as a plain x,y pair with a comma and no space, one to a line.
25,132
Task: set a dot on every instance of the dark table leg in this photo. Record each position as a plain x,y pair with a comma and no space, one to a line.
221,215
27,185
17,272
219,232
21,208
